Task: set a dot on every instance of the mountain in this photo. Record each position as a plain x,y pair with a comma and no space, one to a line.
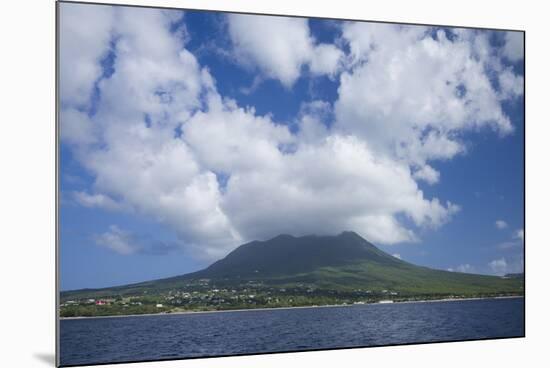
288,255
343,263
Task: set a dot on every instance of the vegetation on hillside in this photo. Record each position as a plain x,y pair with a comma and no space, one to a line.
288,271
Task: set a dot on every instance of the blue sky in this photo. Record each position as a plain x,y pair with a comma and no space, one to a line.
186,134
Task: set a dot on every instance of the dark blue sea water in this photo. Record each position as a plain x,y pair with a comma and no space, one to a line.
101,340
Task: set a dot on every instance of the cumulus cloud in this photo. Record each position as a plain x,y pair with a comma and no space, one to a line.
281,46
510,264
515,242
117,240
499,266
312,124
162,142
520,235
511,85
85,33
226,138
513,47
80,130
501,224
96,201
126,243
427,174
133,150
411,92
362,192
464,268
513,262
325,59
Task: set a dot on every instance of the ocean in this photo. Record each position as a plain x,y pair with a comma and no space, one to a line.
159,337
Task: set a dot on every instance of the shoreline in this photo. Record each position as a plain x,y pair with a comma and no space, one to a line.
297,307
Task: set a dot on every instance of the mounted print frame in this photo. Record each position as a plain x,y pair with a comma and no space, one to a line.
235,183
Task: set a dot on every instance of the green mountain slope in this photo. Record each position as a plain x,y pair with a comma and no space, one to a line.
344,263
287,255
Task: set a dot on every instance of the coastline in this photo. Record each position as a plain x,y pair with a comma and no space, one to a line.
297,307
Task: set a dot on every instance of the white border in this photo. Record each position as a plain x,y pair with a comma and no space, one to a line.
27,189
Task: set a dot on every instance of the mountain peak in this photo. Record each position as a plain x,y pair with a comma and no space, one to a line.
283,236
350,233
343,234
287,254
338,262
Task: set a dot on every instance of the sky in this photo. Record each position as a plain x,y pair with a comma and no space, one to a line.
184,134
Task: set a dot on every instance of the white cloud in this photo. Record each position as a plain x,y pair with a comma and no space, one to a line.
117,240
515,242
312,129
511,85
397,255
362,193
464,268
85,33
96,201
513,46
76,127
280,47
126,243
513,263
383,229
501,224
325,59
412,95
145,165
427,174
227,138
165,144
520,235
499,266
